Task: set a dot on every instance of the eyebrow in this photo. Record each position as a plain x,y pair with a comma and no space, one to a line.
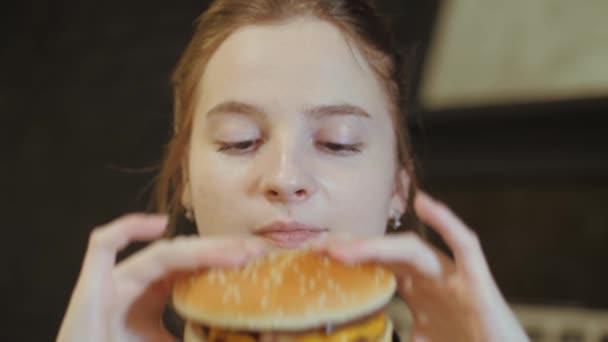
317,112
234,107
343,109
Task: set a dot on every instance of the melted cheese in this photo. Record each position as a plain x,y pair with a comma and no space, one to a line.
229,336
370,330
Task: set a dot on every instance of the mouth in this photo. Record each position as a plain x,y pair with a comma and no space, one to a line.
289,234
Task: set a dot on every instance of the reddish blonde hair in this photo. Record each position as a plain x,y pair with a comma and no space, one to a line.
358,21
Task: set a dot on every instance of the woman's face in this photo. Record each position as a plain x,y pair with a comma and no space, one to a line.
292,138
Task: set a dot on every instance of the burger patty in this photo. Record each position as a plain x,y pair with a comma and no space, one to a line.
365,329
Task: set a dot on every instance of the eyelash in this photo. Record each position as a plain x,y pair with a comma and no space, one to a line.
243,146
224,146
342,147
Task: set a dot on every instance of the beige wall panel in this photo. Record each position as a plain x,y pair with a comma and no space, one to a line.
496,52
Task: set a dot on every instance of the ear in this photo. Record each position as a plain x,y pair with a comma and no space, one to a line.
186,197
401,189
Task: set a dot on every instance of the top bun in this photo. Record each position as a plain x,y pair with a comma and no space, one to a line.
284,291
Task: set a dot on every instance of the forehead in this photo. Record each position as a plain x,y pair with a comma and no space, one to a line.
303,61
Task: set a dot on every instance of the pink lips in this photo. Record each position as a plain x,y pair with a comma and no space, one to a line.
289,234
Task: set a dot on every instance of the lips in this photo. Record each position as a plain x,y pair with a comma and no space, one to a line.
289,234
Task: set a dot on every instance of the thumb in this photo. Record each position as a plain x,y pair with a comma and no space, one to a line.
145,313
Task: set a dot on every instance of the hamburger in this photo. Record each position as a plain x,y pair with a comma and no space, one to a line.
287,296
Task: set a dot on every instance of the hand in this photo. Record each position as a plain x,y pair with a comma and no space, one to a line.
124,302
450,300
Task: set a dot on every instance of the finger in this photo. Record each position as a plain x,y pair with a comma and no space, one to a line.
106,241
184,254
321,245
396,251
463,242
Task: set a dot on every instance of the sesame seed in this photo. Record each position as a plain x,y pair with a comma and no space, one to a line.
247,270
322,299
276,277
226,295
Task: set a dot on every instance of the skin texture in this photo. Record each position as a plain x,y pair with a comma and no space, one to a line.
294,170
291,174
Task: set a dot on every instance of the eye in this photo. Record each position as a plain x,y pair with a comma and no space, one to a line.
342,149
238,147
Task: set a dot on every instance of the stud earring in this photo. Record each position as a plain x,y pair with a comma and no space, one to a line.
189,214
396,219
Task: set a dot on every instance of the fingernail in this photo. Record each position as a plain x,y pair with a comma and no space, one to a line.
434,267
318,246
423,200
254,247
342,254
160,218
423,196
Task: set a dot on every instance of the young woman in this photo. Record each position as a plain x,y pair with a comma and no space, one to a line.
289,131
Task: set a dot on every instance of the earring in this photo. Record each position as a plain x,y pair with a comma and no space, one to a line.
189,213
396,218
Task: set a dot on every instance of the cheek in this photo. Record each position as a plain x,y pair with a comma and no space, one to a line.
361,200
215,194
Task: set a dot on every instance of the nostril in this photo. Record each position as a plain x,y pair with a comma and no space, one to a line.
275,194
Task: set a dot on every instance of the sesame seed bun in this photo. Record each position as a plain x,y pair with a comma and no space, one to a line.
284,291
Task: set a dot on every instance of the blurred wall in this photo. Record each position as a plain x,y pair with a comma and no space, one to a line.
496,52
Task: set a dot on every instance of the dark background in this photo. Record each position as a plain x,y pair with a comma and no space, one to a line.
85,108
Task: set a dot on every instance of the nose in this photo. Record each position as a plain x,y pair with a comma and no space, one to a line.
285,176
286,193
